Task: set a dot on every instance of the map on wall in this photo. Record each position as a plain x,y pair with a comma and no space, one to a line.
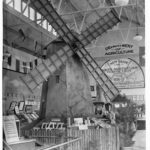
124,73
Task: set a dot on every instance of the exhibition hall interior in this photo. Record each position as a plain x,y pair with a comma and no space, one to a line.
73,75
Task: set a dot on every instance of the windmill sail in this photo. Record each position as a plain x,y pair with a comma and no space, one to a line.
74,44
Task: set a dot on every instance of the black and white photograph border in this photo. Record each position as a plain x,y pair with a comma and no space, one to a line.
80,69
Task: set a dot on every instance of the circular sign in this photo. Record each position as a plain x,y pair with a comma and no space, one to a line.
124,73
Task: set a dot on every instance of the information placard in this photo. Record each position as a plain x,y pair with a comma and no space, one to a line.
10,129
125,73
83,127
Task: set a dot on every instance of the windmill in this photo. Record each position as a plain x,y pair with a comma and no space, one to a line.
73,44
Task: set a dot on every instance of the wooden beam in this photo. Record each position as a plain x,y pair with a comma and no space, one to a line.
8,29
133,21
28,21
98,8
11,1
43,100
59,5
27,4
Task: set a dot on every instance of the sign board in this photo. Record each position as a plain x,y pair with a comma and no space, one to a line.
83,127
10,129
78,121
119,49
124,73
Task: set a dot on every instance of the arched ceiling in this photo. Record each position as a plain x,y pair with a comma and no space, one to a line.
74,12
78,14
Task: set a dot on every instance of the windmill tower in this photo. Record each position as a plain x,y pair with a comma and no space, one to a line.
73,44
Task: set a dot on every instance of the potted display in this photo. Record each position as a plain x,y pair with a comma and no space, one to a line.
126,116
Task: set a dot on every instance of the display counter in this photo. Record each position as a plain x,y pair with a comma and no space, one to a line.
23,144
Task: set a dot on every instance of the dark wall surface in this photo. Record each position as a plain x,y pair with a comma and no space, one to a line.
14,89
71,96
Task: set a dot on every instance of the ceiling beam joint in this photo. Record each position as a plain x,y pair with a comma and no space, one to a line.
59,6
82,23
76,26
12,1
27,4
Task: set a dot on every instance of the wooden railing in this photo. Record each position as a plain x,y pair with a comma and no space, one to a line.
91,139
62,146
96,139
46,136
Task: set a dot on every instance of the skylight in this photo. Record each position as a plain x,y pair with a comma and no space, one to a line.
29,12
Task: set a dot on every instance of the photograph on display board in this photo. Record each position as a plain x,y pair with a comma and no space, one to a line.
21,105
73,72
12,105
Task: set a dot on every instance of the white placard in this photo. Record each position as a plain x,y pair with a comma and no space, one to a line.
17,110
83,127
78,121
10,129
125,73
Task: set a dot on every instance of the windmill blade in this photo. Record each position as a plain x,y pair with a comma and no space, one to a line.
75,44
108,21
105,83
45,8
41,73
92,32
98,28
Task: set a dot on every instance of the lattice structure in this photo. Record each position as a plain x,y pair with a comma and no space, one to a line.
74,44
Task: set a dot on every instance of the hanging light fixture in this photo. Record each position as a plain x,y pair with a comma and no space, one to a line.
137,37
121,2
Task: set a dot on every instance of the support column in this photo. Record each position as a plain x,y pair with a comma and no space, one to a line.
43,100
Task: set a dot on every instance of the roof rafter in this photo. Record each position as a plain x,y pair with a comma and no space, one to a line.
80,11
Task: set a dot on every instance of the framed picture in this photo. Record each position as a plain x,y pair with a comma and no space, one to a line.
28,109
12,105
78,121
21,105
17,110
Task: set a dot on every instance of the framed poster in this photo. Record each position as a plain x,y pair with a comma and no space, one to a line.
21,105
17,110
12,105
10,129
